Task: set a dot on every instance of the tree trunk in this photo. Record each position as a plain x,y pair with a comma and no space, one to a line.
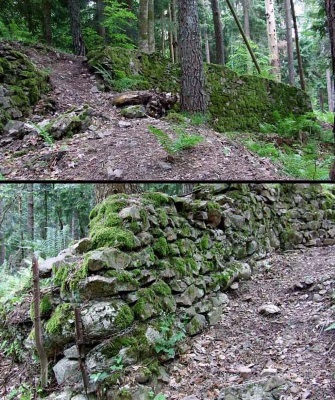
103,190
301,72
175,30
44,230
272,38
100,18
46,22
151,27
30,224
163,33
330,91
77,36
193,97
144,26
172,54
218,30
289,41
205,33
246,17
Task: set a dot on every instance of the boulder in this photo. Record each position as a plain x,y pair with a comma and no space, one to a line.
137,111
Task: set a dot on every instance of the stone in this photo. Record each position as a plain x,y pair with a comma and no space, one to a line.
196,325
191,293
274,382
124,124
137,111
214,316
132,213
164,165
15,129
82,246
67,372
192,397
71,353
45,267
109,258
244,372
244,271
269,309
65,395
268,372
234,286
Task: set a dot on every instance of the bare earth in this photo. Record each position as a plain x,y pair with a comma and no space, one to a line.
294,342
133,152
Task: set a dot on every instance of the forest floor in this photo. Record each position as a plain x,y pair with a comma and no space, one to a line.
292,344
109,151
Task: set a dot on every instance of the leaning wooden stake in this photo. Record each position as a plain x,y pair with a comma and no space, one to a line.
37,324
79,343
246,41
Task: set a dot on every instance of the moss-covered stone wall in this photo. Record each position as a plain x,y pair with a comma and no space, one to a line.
155,268
21,84
236,102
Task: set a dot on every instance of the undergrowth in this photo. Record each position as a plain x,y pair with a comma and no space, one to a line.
181,142
306,156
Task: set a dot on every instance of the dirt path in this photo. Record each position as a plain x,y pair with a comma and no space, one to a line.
133,152
293,343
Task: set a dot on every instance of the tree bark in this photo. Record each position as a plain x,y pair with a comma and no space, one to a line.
103,190
205,33
46,22
301,72
151,27
175,30
289,41
77,36
172,54
100,18
246,17
193,97
163,32
144,26
272,38
218,30
330,91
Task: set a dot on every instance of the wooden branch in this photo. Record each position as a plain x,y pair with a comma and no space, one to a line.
38,325
79,343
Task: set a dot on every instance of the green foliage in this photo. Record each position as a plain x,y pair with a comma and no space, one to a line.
168,336
11,283
16,30
173,146
98,377
92,39
117,364
23,392
117,19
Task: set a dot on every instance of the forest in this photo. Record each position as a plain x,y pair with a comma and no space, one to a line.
284,41
167,291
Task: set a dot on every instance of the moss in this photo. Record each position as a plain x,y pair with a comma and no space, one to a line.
60,316
116,344
161,288
204,243
124,394
112,237
60,274
124,318
156,198
123,277
135,227
162,216
178,264
161,247
211,206
45,306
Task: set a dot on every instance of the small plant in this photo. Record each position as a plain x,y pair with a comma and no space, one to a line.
43,132
98,377
182,142
168,339
117,364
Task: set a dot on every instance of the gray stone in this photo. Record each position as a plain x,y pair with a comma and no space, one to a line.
132,213
82,246
192,397
63,258
268,309
71,353
136,111
191,293
14,129
65,395
124,124
214,316
67,372
108,258
196,325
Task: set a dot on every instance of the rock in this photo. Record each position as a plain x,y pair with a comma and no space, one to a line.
63,258
124,124
268,372
69,123
131,98
114,174
15,129
65,395
244,271
196,325
234,286
244,372
214,316
192,397
164,165
137,111
132,213
269,309
109,258
191,293
82,246
71,353
274,382
67,372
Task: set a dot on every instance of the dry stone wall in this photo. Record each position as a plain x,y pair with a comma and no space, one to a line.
155,267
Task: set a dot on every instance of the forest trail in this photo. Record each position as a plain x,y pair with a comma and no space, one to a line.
112,150
293,344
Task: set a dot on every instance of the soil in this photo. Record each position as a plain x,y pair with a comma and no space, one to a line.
293,343
107,151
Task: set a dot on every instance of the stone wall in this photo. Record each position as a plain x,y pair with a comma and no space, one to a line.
236,102
21,84
155,267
